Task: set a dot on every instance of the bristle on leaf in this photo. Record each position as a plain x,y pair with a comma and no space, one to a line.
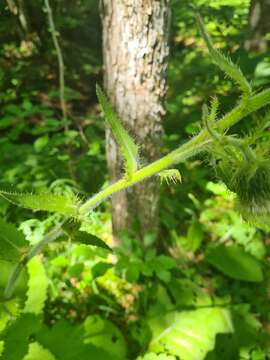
127,146
170,175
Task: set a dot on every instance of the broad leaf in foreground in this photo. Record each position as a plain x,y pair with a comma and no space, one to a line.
16,337
189,335
37,287
66,342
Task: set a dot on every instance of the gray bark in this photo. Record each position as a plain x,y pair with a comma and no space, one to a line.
135,51
258,25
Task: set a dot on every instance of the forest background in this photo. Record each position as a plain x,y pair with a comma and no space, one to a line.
179,295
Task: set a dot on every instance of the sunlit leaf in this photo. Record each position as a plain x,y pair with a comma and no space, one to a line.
188,335
37,287
37,352
104,334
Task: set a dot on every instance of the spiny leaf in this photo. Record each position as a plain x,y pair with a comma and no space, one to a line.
224,63
209,117
170,175
37,287
127,146
12,242
66,205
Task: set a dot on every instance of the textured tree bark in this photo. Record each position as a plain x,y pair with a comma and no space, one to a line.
258,25
135,51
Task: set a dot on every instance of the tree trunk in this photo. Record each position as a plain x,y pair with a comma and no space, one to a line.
135,52
258,25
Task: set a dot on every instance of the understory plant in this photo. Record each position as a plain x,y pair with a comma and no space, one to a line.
242,163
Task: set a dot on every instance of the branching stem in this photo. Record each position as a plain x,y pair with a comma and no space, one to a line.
190,148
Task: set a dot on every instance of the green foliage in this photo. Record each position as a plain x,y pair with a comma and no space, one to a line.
20,286
12,242
236,263
189,334
18,333
225,64
55,340
137,263
84,237
46,202
127,146
35,351
52,343
37,287
198,291
104,334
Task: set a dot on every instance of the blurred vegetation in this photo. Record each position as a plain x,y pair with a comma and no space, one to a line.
190,298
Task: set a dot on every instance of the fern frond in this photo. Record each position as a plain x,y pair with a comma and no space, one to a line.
127,146
225,63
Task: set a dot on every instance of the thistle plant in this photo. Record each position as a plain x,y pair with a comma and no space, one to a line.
244,168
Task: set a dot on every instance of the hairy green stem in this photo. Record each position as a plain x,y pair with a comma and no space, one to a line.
185,151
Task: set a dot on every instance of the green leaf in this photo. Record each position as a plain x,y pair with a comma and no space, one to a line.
61,204
83,237
233,261
89,239
37,287
164,275
100,269
66,342
133,272
105,335
127,146
6,268
194,236
16,337
36,352
188,335
41,143
224,63
12,242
